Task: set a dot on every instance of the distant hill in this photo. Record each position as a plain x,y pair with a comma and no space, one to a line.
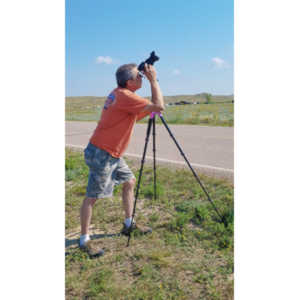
219,111
94,101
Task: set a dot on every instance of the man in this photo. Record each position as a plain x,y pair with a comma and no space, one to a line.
108,143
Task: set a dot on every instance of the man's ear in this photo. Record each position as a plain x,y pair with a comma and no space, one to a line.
129,83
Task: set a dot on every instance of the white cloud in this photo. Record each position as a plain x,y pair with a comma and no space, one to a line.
219,62
104,59
176,72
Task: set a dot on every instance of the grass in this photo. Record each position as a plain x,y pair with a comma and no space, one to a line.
189,255
218,113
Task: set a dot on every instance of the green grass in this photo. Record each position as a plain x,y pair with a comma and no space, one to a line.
219,113
216,114
83,108
189,255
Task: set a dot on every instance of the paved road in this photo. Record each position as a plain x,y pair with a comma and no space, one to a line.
207,148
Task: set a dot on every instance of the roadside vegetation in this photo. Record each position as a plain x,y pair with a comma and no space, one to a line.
189,255
211,110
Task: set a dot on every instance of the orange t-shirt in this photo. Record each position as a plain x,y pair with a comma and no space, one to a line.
121,110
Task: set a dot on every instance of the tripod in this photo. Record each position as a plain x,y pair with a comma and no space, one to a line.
151,123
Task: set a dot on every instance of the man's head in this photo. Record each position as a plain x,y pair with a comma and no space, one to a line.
129,77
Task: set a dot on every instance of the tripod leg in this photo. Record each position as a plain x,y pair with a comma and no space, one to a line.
150,122
154,158
194,173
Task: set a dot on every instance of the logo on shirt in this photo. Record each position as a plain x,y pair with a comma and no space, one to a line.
109,100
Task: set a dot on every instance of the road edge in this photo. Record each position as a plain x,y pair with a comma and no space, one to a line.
210,171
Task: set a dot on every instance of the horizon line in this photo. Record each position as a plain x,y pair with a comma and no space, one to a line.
164,95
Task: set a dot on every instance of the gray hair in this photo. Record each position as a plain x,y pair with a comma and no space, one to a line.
124,73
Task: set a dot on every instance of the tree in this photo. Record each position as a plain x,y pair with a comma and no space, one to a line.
207,97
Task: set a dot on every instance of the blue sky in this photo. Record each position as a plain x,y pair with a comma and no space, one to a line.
194,40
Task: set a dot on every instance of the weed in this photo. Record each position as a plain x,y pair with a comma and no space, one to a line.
178,223
148,190
99,282
189,255
153,218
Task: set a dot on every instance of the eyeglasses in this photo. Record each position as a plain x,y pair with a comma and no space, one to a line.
141,75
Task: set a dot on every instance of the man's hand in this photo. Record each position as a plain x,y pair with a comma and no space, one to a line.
156,95
150,73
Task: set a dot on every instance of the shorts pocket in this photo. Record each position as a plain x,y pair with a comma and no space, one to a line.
89,155
100,158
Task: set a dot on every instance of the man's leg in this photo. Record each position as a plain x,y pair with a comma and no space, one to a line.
86,214
128,202
128,197
85,218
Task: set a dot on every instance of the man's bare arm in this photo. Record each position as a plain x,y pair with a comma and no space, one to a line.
156,95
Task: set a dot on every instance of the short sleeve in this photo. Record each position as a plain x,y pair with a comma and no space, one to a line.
131,102
142,115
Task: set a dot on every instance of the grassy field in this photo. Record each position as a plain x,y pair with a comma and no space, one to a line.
218,113
189,255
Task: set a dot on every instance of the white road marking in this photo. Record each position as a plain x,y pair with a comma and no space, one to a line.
75,146
78,133
167,160
182,163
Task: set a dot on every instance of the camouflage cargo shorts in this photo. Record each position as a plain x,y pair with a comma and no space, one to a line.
105,172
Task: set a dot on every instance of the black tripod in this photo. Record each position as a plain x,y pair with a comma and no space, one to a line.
151,123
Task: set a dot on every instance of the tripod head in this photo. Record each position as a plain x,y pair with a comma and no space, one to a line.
150,61
155,113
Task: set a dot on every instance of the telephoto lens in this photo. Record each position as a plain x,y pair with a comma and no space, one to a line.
150,61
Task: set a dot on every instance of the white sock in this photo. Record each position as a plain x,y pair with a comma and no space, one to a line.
128,222
83,239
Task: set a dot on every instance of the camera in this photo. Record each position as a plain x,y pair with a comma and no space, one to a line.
150,61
